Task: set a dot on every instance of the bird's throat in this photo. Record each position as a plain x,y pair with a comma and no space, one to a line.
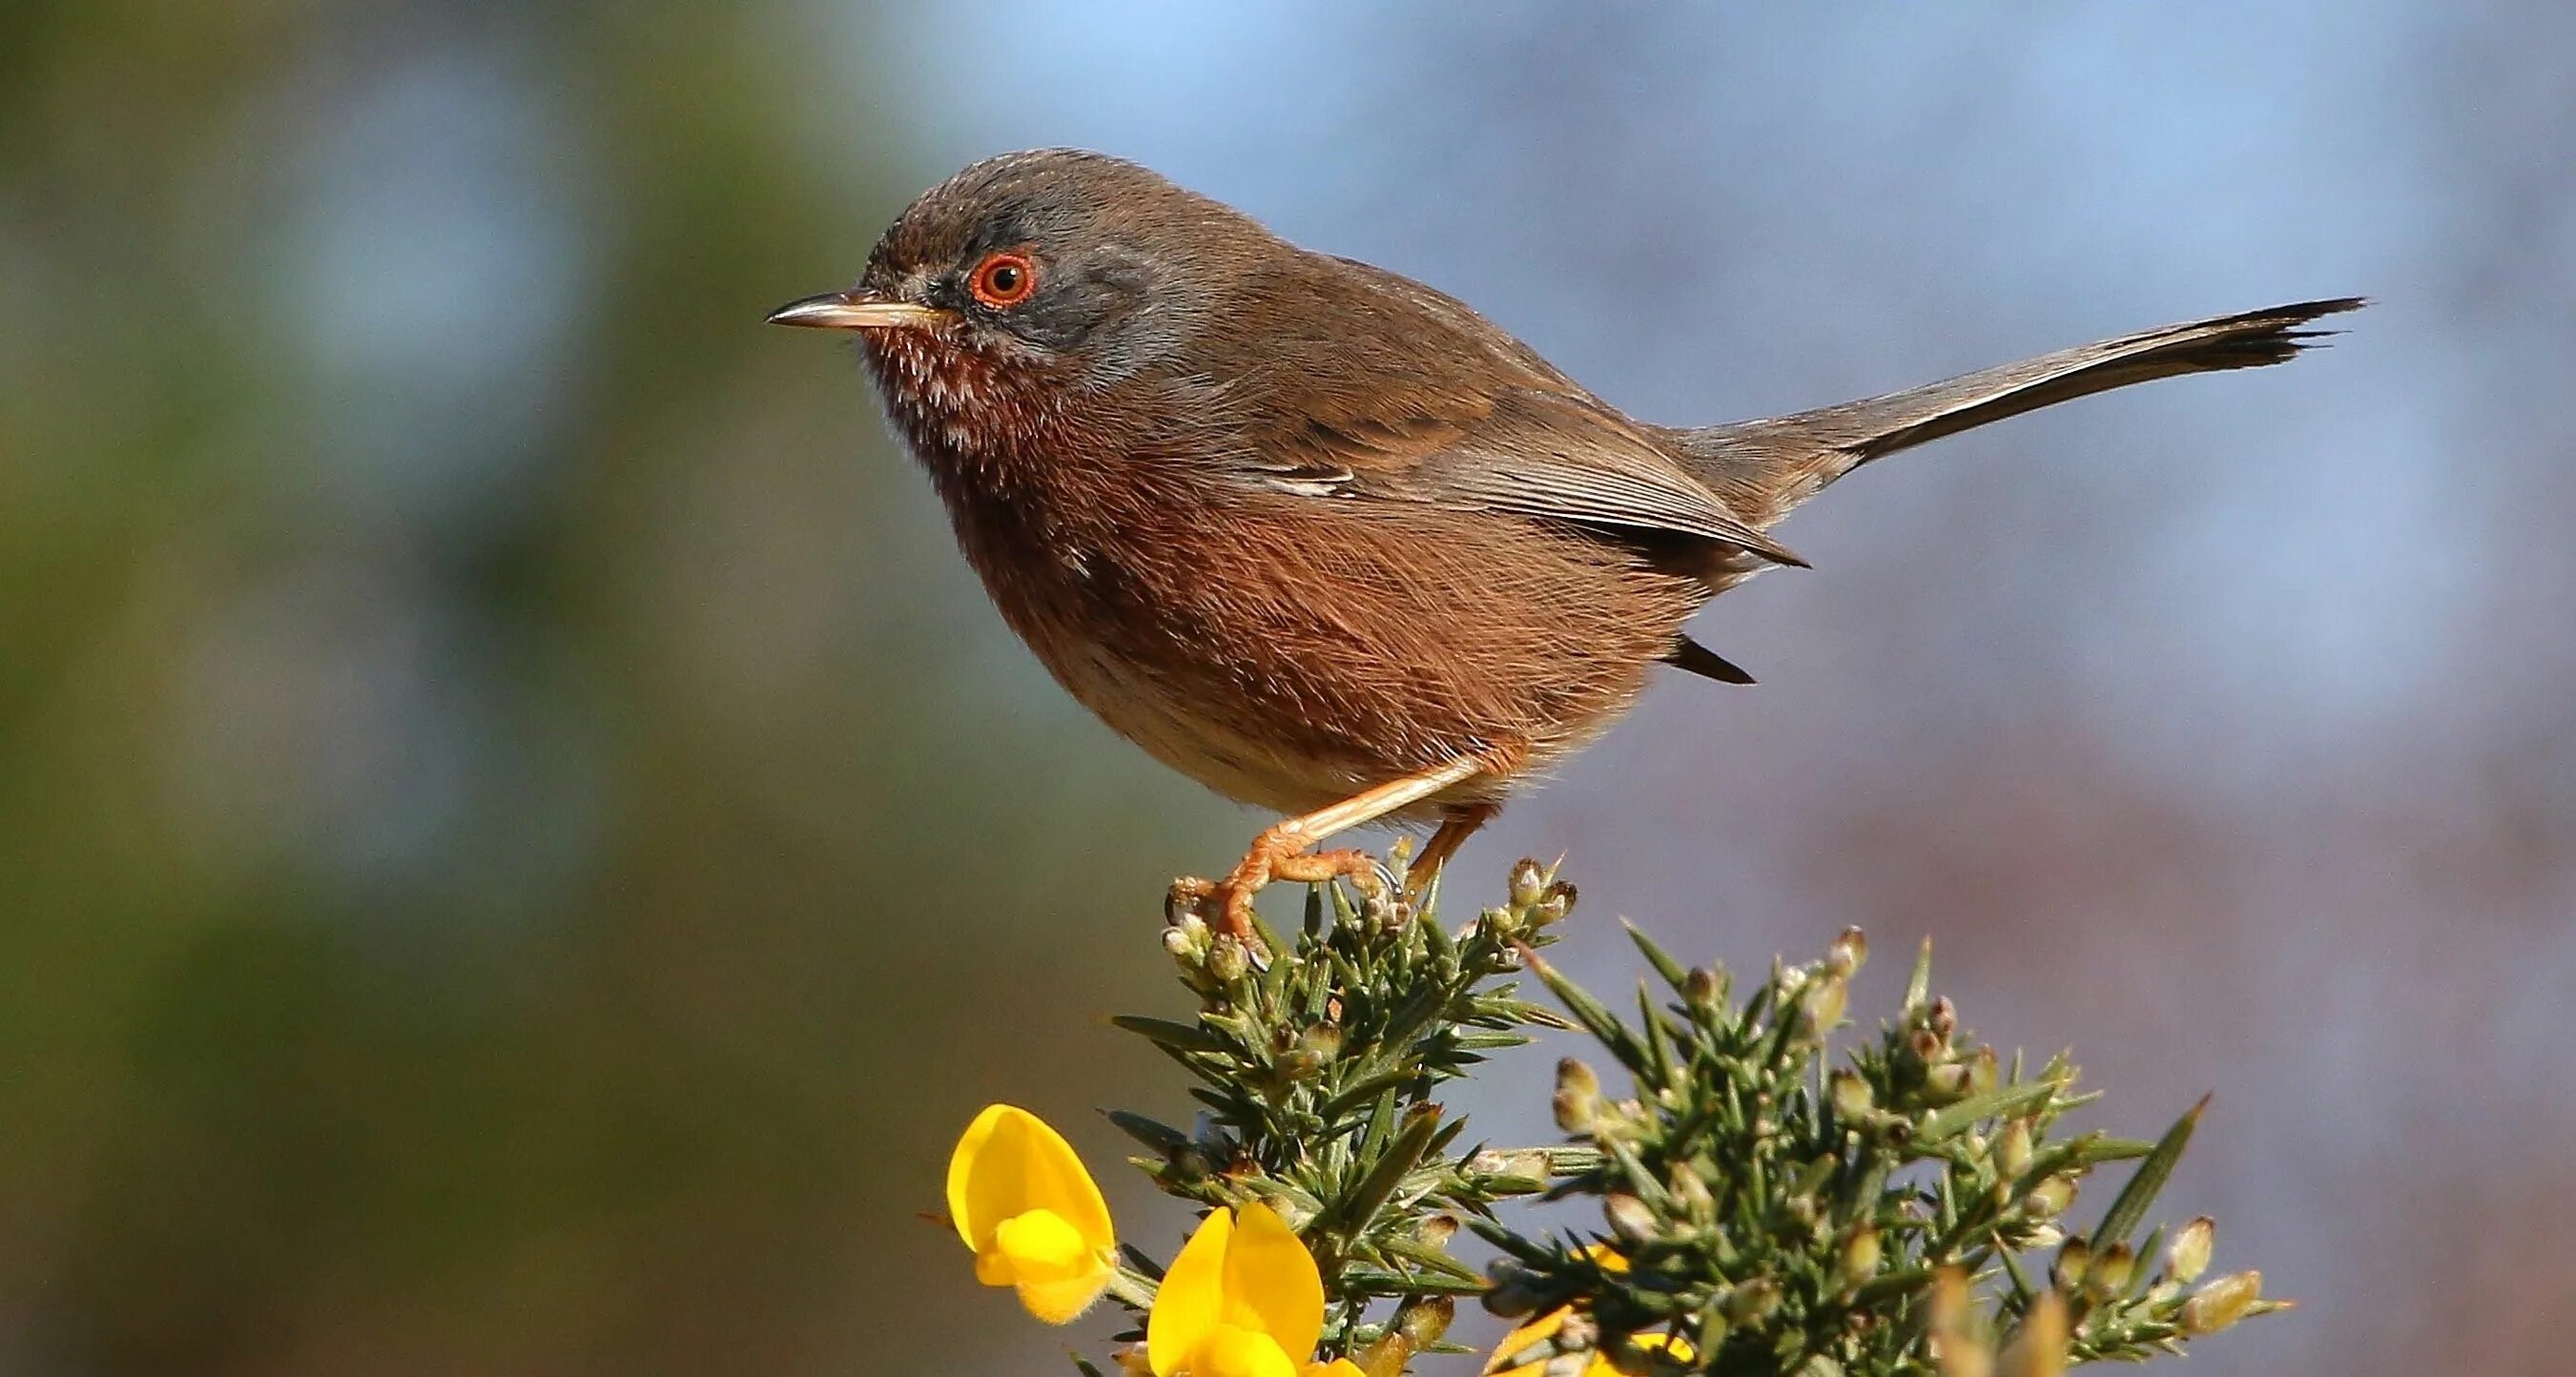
960,406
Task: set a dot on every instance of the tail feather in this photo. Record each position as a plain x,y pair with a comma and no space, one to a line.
1704,662
1790,458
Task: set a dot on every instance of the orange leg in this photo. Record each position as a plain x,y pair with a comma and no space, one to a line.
1284,851
1454,831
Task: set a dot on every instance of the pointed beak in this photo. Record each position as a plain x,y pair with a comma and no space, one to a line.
853,311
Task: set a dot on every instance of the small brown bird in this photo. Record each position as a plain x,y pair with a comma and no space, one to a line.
1320,537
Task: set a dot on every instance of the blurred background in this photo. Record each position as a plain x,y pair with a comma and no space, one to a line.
521,841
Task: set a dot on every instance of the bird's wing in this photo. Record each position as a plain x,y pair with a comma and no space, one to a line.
1411,397
1534,454
1570,459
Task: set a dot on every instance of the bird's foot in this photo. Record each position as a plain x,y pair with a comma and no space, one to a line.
1282,852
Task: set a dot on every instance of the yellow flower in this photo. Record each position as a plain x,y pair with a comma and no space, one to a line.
1032,1215
1242,1300
1525,1351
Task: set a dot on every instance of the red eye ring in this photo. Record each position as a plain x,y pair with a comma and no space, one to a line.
1004,279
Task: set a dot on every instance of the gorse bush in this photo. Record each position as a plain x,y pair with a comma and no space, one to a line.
1761,1205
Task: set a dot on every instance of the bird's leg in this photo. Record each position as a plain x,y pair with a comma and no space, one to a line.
1284,850
1455,829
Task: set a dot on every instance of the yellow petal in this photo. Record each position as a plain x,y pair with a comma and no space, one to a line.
1534,1334
1058,1274
1040,1246
1009,1162
1606,1258
1192,1296
1645,1343
1271,1284
1061,1302
1233,1351
976,1178
1679,1347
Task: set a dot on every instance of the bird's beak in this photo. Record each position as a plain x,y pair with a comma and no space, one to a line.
854,311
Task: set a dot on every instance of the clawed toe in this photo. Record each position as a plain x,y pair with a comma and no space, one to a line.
1277,854
1286,851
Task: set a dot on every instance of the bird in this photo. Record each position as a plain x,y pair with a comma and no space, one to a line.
1321,537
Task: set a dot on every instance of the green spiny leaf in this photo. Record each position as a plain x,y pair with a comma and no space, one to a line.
2135,1197
1354,1210
1595,1016
1154,1134
1665,966
1170,1036
2001,1102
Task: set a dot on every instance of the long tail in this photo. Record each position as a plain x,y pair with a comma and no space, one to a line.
1787,459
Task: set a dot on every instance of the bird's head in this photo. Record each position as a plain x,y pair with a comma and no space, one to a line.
1026,281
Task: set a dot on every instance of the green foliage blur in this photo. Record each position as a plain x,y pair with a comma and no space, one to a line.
500,771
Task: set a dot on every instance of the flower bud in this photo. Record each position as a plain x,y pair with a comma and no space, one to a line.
1629,1217
1944,1018
2049,1198
1753,1301
1577,1100
1186,938
1227,960
1436,1230
2113,1270
1324,1040
2013,1149
1925,1045
1424,1321
2038,1347
1387,1355
1852,1100
1820,1009
1847,953
2221,1303
1802,1211
1860,1254
1945,1082
1528,884
1525,1164
1691,1193
2072,1262
1552,906
1952,1330
2188,1255
1982,1071
1702,989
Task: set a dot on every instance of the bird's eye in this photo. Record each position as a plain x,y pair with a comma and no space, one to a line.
1005,279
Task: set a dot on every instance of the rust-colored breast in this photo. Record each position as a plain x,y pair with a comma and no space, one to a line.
1285,649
